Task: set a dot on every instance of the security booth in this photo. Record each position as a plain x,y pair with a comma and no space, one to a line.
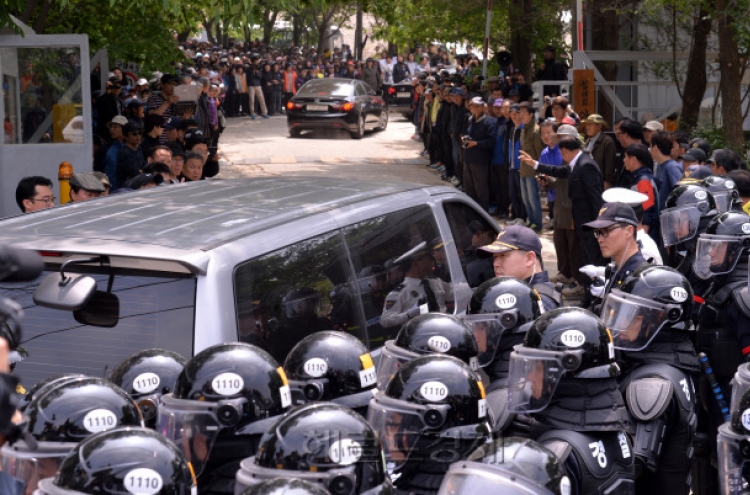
45,105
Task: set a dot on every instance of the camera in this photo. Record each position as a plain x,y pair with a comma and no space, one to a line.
465,141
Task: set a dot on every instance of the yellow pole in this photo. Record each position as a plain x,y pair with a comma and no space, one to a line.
64,173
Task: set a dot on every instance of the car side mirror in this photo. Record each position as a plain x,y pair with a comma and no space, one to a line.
102,310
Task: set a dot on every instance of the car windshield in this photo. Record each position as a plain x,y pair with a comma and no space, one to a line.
155,311
332,88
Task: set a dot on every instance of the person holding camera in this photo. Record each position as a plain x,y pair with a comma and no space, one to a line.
478,144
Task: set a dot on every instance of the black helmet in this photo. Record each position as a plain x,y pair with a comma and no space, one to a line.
61,416
146,376
301,302
648,299
51,381
123,460
430,333
740,405
429,400
508,465
331,366
722,245
564,342
222,388
724,191
501,305
285,486
326,444
685,206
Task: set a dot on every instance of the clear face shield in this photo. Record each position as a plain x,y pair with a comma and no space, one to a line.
392,357
723,200
473,477
734,461
194,425
22,469
401,426
717,254
488,329
634,321
679,224
341,480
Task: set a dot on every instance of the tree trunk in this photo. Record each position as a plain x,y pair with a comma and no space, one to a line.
296,30
605,35
358,45
695,83
729,66
520,35
219,33
269,19
208,25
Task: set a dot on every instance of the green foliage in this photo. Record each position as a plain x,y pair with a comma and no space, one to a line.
716,137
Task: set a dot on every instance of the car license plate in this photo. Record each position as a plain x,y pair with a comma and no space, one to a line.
317,108
403,95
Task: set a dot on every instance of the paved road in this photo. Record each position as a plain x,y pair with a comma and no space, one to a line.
262,147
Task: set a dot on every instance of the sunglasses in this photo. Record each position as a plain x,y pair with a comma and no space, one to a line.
135,133
604,233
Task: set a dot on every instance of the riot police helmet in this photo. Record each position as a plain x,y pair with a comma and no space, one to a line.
563,343
685,206
122,460
721,246
331,366
285,486
302,302
41,385
649,299
221,389
430,400
510,465
58,418
325,444
724,190
430,333
498,307
146,376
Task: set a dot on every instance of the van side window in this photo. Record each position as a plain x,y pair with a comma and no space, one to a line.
283,296
470,230
385,251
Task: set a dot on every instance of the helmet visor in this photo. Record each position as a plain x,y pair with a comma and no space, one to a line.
716,255
679,224
400,425
192,425
634,321
47,486
341,481
479,478
392,358
723,200
488,329
533,378
23,470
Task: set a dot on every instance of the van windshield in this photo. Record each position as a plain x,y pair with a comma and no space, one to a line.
155,311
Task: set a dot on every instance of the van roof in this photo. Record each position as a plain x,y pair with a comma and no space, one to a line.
197,216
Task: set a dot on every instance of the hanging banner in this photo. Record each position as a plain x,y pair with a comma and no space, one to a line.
584,92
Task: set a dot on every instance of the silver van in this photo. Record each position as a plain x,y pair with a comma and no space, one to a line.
265,261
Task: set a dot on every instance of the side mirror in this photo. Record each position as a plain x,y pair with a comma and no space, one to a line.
102,310
66,292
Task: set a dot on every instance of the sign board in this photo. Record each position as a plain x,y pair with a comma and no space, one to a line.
584,92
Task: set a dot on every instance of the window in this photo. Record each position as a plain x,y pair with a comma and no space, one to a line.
285,295
42,97
471,230
361,90
156,311
379,249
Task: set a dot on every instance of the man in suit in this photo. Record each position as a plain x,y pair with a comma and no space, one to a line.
584,188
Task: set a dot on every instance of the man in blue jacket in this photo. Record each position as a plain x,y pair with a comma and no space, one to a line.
499,169
478,145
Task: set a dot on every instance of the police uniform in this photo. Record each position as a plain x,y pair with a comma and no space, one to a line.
409,294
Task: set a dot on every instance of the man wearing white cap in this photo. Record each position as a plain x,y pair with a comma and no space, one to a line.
478,145
140,85
649,128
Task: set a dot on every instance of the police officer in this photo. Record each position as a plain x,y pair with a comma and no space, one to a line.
58,418
517,252
331,366
724,191
615,230
649,318
636,200
223,400
508,465
418,293
734,448
325,444
565,394
433,412
146,376
122,460
431,333
285,486
301,317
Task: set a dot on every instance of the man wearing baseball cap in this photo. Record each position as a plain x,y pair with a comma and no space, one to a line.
517,252
616,229
162,102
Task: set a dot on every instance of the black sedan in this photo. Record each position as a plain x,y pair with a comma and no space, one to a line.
400,97
346,104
